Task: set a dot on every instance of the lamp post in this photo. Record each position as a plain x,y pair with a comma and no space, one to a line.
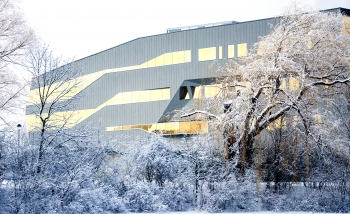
17,178
19,126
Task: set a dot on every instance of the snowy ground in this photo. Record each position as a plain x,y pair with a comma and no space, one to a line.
195,212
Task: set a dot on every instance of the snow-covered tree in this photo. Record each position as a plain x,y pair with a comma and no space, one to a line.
54,81
56,168
16,38
297,77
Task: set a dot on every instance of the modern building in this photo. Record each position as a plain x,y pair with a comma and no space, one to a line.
134,88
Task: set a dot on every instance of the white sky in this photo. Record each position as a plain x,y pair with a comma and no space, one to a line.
79,28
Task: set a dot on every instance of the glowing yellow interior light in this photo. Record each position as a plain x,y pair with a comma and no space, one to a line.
135,96
309,44
185,127
326,80
283,84
346,25
193,127
71,118
145,96
160,60
126,97
198,92
143,65
242,49
151,63
168,59
156,95
188,56
317,120
231,51
279,123
205,54
294,84
166,93
84,81
211,91
295,121
220,52
178,57
262,47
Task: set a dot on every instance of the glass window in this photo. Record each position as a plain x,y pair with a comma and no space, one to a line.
192,127
204,127
326,81
309,43
168,59
185,127
145,96
196,127
108,129
152,127
110,101
169,128
197,92
346,25
135,96
144,127
161,127
295,121
166,93
178,57
279,123
286,45
151,63
210,91
160,60
143,65
156,95
135,126
293,83
118,99
205,54
283,84
242,49
317,120
231,51
184,93
262,47
188,56
176,127
126,97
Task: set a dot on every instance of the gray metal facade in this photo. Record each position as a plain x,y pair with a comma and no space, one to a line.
174,76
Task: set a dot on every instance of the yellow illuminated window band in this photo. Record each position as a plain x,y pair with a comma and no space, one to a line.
170,58
75,117
170,128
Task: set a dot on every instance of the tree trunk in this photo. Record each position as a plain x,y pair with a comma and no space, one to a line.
41,151
230,139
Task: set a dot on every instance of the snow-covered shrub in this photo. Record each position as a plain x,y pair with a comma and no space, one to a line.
96,200
143,197
178,195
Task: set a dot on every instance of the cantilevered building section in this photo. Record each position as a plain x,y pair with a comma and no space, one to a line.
133,88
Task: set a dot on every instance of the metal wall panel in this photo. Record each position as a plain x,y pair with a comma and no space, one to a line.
143,49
